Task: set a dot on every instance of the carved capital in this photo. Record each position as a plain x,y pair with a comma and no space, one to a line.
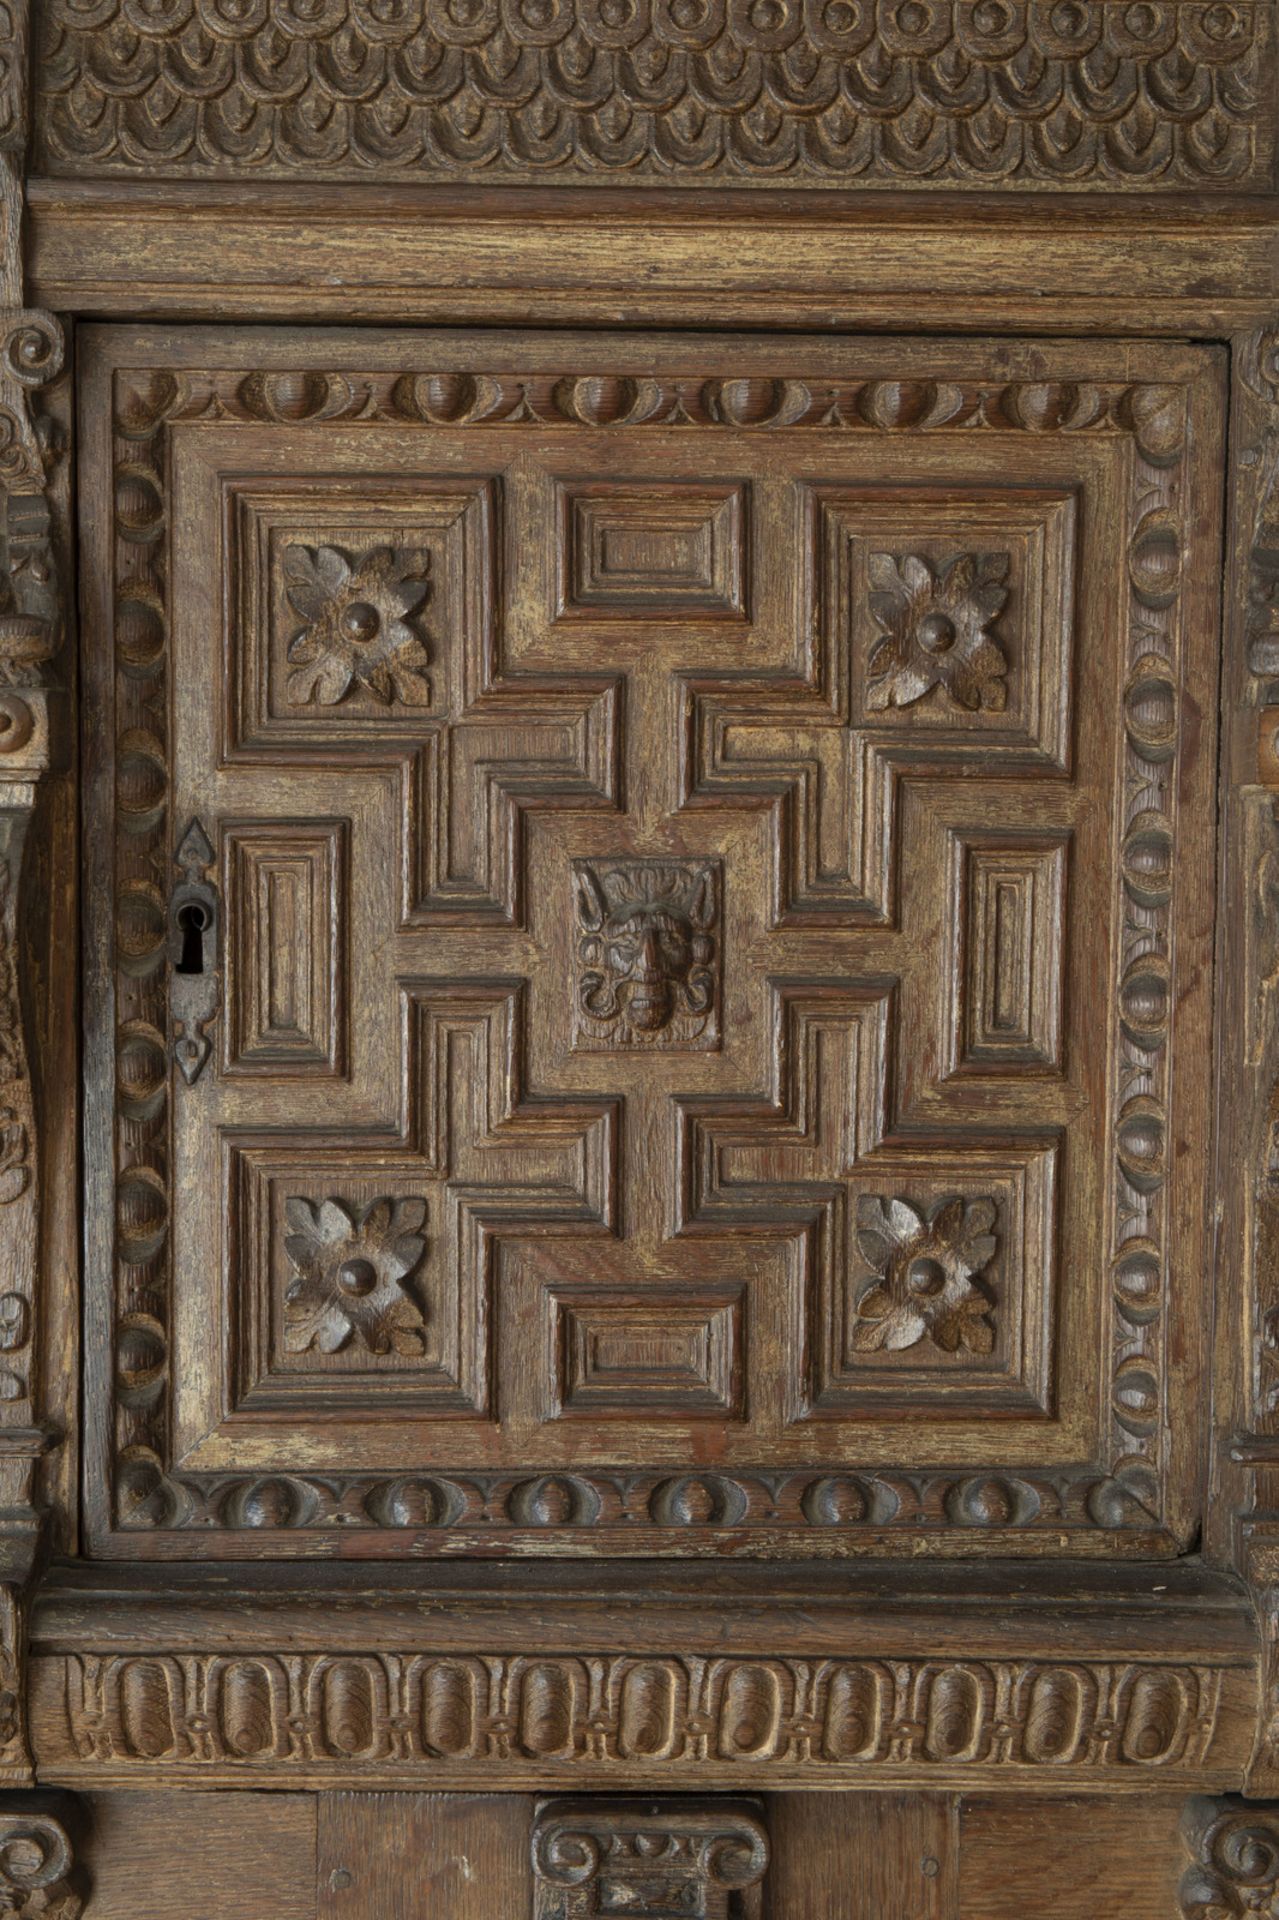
38,1877
648,1859
1234,1871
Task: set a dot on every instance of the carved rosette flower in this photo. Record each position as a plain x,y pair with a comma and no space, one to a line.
927,1286
359,630
351,1264
936,631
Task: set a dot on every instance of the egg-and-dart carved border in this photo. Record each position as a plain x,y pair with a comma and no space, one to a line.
648,1511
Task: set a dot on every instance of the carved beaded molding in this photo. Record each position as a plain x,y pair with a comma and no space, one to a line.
662,1511
465,1716
976,93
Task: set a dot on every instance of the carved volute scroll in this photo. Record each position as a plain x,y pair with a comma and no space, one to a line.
702,1858
38,1878
1234,1870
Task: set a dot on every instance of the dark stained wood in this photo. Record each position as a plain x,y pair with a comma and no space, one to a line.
295,255
883,1856
1066,1860
583,1678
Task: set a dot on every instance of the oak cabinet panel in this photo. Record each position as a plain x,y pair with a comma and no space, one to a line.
694,1032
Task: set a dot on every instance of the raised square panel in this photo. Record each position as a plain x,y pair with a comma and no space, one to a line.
956,609
943,1295
353,610
645,1354
646,551
1010,933
345,1287
287,928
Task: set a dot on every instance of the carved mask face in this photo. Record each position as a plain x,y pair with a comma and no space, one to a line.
647,952
645,944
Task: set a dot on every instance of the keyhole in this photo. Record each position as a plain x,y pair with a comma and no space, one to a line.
193,922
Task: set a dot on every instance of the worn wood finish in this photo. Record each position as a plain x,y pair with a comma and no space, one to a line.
698,999
577,1677
237,1856
679,1169
300,254
364,1856
1174,95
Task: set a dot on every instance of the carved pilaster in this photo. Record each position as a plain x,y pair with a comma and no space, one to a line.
30,634
703,1858
1234,1870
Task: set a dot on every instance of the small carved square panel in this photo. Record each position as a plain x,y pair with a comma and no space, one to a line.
348,1281
647,954
957,610
941,1295
636,551
351,617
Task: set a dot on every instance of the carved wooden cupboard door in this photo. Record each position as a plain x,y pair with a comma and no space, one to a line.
676,1173
660,867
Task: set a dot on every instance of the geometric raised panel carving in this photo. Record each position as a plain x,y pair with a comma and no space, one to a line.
651,960
287,892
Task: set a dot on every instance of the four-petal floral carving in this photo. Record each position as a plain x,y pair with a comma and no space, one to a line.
925,1267
351,1265
359,631
936,630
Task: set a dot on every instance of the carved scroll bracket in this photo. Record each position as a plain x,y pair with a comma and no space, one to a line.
703,1858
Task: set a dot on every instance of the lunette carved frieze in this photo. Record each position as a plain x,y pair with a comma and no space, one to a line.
1122,1491
462,1718
1062,94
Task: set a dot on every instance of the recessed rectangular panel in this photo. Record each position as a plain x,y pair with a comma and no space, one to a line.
1012,932
649,1353
286,933
642,550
